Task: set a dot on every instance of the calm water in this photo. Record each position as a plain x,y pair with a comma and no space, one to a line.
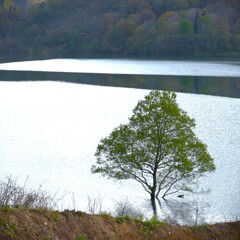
50,131
146,67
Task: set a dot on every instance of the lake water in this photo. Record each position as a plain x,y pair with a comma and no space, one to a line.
119,66
50,130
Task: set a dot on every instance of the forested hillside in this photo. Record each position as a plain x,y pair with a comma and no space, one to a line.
145,28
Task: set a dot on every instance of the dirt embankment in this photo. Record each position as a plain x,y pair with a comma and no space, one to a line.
25,224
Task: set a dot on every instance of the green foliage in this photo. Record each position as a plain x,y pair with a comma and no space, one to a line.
70,213
152,223
147,226
199,227
145,231
80,213
142,28
122,219
80,238
106,216
186,26
8,228
55,216
157,148
6,209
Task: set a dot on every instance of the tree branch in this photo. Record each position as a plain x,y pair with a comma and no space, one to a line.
178,179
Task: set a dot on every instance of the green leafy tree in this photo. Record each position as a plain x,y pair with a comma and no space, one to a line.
186,26
157,148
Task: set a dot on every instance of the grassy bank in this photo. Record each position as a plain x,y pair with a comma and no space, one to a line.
41,224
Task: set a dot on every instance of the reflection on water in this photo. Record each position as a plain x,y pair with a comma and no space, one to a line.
224,86
213,78
190,211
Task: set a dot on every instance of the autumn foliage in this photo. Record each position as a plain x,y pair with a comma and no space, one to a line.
123,28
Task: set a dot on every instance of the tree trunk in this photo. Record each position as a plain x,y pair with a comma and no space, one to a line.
153,192
153,202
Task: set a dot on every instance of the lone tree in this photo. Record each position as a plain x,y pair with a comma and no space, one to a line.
157,148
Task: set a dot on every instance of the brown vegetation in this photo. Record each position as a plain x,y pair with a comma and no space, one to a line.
42,224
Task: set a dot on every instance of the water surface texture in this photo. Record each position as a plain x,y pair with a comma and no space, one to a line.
50,130
146,67
218,78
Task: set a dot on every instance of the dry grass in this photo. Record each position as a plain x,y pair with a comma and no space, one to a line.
14,195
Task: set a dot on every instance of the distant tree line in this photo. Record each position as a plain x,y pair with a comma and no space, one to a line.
122,28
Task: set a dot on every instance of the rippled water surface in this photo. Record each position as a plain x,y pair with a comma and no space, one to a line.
50,131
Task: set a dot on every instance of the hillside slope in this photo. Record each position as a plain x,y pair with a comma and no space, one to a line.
122,28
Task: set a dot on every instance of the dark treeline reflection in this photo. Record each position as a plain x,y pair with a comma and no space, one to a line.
220,86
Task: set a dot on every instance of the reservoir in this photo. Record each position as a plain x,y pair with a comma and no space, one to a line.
50,130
